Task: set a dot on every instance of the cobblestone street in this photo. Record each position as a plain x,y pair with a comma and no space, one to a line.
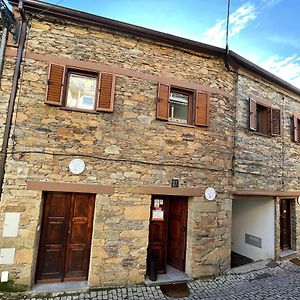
279,282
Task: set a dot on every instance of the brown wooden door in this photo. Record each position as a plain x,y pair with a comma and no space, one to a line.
285,224
66,233
167,237
177,233
158,230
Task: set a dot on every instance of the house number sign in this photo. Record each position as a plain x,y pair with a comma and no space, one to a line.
210,194
77,166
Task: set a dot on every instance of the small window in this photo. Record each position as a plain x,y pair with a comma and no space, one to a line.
264,119
180,103
80,89
182,106
296,131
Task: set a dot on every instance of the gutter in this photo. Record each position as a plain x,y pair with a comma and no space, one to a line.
243,62
81,18
2,49
13,94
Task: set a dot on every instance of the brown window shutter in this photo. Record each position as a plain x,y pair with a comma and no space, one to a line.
106,92
252,115
296,129
202,109
163,97
275,121
55,85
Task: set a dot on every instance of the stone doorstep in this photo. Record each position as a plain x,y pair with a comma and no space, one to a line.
72,286
171,277
288,254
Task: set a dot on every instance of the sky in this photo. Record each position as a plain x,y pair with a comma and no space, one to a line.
266,32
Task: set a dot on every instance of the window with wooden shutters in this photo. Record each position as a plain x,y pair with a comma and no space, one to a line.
296,129
106,92
182,106
275,121
162,109
202,109
252,114
81,90
55,85
264,119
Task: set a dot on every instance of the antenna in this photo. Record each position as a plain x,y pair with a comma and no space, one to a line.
227,26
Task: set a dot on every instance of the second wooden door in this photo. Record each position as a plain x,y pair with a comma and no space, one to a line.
66,233
285,224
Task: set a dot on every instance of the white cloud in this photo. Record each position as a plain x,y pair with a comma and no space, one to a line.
239,19
269,3
287,68
285,41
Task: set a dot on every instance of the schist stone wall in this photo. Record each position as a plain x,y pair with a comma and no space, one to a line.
267,163
128,148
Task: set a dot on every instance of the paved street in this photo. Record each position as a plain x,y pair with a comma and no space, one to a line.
279,282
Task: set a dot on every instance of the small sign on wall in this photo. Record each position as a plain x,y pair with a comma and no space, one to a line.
11,224
157,211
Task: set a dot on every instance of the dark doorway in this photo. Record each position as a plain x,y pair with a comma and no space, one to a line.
167,231
285,224
66,233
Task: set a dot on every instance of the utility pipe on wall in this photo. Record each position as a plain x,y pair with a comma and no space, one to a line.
13,94
2,49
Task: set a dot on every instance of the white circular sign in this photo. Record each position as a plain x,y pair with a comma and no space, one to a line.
210,194
77,166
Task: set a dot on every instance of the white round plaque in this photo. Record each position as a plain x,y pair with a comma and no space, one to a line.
210,194
76,166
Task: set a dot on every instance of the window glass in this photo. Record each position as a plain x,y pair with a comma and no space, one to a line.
81,91
178,107
263,119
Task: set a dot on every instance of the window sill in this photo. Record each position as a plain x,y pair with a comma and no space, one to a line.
264,135
79,110
181,124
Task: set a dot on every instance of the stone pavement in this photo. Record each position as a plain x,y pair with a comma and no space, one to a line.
278,282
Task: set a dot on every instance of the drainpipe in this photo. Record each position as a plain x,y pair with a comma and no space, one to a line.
2,49
13,94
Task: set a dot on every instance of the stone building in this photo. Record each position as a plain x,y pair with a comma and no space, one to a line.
117,132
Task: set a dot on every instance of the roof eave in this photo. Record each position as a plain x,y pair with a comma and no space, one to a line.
243,62
106,23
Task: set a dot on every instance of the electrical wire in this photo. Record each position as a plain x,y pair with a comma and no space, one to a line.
51,6
132,161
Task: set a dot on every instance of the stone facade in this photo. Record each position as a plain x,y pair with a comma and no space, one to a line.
130,149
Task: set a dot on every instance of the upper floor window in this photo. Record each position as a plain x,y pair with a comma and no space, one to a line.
296,131
264,119
182,106
80,89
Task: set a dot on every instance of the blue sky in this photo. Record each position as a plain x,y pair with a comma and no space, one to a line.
267,32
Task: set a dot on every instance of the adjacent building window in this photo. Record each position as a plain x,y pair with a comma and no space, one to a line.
264,119
296,131
182,106
80,89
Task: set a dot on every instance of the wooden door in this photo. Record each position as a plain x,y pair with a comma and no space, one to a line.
177,233
167,237
66,233
285,224
158,230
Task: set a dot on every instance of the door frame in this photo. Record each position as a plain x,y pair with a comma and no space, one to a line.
40,237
